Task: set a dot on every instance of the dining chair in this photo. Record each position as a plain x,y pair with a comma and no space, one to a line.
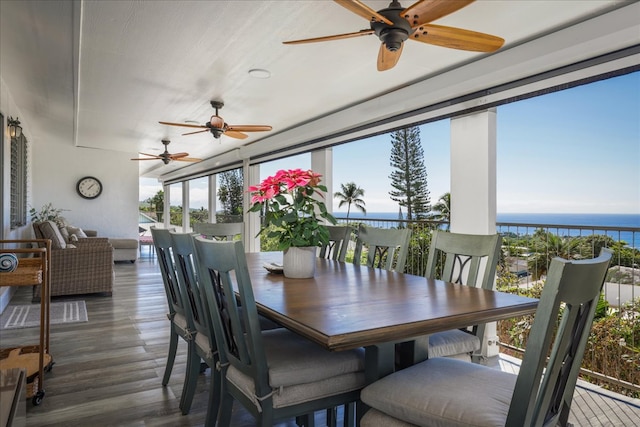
204,344
274,374
448,392
219,230
384,246
465,259
179,315
339,237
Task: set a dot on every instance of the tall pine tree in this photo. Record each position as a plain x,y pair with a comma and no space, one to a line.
409,179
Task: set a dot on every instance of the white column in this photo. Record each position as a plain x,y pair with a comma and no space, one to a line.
250,176
473,173
213,198
473,183
186,228
322,163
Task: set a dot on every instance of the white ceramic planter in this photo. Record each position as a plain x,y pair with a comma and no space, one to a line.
299,263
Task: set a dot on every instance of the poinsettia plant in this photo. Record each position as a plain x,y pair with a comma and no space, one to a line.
292,215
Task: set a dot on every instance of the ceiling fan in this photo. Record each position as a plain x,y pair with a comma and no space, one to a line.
166,157
217,126
395,24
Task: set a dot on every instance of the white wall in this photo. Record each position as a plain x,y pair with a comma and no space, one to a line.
56,171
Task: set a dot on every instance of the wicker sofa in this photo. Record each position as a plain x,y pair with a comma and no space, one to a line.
79,266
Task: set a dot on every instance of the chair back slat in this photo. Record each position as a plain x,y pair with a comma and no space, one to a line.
339,237
225,279
387,248
545,386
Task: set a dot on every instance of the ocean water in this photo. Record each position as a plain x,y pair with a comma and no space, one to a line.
590,221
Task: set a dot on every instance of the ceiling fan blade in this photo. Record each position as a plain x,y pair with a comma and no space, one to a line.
186,125
425,11
334,37
363,10
249,128
150,158
198,131
178,155
388,59
188,159
235,134
151,155
457,38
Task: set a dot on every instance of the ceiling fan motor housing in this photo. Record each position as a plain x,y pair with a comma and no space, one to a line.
392,36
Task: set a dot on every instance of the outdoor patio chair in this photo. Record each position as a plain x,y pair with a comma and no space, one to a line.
204,344
387,248
274,374
339,237
465,259
179,315
448,392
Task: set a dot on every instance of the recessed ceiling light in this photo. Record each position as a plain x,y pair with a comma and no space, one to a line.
259,73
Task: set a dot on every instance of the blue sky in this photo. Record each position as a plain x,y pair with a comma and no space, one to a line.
573,151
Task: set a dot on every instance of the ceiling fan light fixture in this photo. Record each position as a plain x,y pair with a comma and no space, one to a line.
216,122
259,73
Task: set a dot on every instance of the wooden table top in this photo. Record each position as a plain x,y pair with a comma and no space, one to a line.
346,306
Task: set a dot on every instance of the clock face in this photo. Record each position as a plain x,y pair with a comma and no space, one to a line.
89,187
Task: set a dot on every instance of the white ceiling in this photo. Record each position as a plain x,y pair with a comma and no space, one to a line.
101,74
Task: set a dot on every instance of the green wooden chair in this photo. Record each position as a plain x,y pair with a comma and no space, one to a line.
339,237
387,248
204,344
466,259
179,315
274,374
449,392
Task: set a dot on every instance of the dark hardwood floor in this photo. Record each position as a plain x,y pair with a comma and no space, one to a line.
108,371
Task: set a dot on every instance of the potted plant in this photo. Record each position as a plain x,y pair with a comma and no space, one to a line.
48,213
294,217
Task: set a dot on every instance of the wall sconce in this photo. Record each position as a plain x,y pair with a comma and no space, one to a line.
15,130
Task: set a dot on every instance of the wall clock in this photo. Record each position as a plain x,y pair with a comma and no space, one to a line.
89,187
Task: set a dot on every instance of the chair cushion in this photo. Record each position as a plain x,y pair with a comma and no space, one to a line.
293,359
453,342
444,392
300,370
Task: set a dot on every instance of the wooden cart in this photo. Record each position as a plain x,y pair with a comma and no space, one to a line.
35,359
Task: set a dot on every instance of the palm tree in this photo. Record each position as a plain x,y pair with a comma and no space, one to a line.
443,209
351,194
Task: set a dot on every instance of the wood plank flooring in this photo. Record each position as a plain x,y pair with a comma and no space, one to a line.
108,371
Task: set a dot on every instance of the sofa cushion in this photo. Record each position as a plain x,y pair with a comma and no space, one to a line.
49,230
77,231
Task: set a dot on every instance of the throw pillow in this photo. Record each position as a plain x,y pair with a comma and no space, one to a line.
8,262
73,238
49,230
65,234
77,231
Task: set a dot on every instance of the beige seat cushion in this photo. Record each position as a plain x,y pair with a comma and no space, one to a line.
436,393
300,370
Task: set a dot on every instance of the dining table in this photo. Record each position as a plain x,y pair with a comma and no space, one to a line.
346,306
